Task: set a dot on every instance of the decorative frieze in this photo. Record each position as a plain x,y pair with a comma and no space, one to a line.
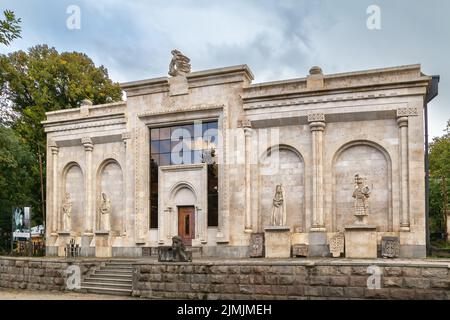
407,112
312,117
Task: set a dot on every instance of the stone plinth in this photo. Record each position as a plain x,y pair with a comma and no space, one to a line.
277,242
63,240
360,241
103,248
178,85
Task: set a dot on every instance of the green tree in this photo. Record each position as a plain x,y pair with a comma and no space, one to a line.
16,182
9,28
42,80
439,156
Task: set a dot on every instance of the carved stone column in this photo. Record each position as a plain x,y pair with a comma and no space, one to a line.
54,216
248,179
89,206
402,121
126,136
317,126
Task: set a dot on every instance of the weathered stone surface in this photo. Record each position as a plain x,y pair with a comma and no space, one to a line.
390,247
300,250
257,245
418,283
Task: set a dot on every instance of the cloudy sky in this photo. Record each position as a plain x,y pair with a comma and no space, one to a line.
278,39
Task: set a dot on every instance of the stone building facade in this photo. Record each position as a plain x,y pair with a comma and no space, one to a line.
200,155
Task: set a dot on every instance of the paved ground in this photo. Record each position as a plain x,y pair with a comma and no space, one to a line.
14,294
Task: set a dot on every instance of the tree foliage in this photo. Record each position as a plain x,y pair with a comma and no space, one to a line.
42,80
16,182
9,27
439,157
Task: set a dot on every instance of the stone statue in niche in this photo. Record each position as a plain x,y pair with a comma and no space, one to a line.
361,195
67,212
279,207
179,66
105,211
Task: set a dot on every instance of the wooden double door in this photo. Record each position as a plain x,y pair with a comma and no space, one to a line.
186,224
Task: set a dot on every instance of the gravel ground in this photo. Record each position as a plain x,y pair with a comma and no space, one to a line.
14,294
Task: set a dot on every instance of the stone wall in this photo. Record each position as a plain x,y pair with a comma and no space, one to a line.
39,274
307,279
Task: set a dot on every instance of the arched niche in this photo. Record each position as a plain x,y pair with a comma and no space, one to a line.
73,183
373,163
110,182
183,194
282,164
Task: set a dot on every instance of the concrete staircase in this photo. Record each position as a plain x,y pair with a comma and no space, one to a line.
115,277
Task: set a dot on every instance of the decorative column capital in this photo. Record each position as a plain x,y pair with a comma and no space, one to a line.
247,126
125,137
87,143
316,121
402,122
54,147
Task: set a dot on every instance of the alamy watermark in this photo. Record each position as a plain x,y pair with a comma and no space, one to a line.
374,280
73,22
73,277
374,19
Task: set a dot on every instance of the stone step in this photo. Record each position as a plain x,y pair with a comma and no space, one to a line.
118,266
121,261
110,273
113,270
106,284
109,280
102,290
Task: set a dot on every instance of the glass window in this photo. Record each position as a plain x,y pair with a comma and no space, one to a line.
164,146
164,133
154,134
164,159
154,146
186,144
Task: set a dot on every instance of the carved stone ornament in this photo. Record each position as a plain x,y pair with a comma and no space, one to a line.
337,244
390,247
257,245
179,66
299,250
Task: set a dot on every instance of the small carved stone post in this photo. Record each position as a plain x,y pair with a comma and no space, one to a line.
317,126
54,215
248,184
89,207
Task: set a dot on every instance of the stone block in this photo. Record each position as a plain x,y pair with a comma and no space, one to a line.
360,242
277,242
256,245
390,247
300,250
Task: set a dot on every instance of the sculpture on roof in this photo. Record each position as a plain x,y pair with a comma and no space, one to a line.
179,66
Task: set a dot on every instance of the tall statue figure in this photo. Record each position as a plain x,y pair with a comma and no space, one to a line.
279,207
361,195
105,210
179,65
67,212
